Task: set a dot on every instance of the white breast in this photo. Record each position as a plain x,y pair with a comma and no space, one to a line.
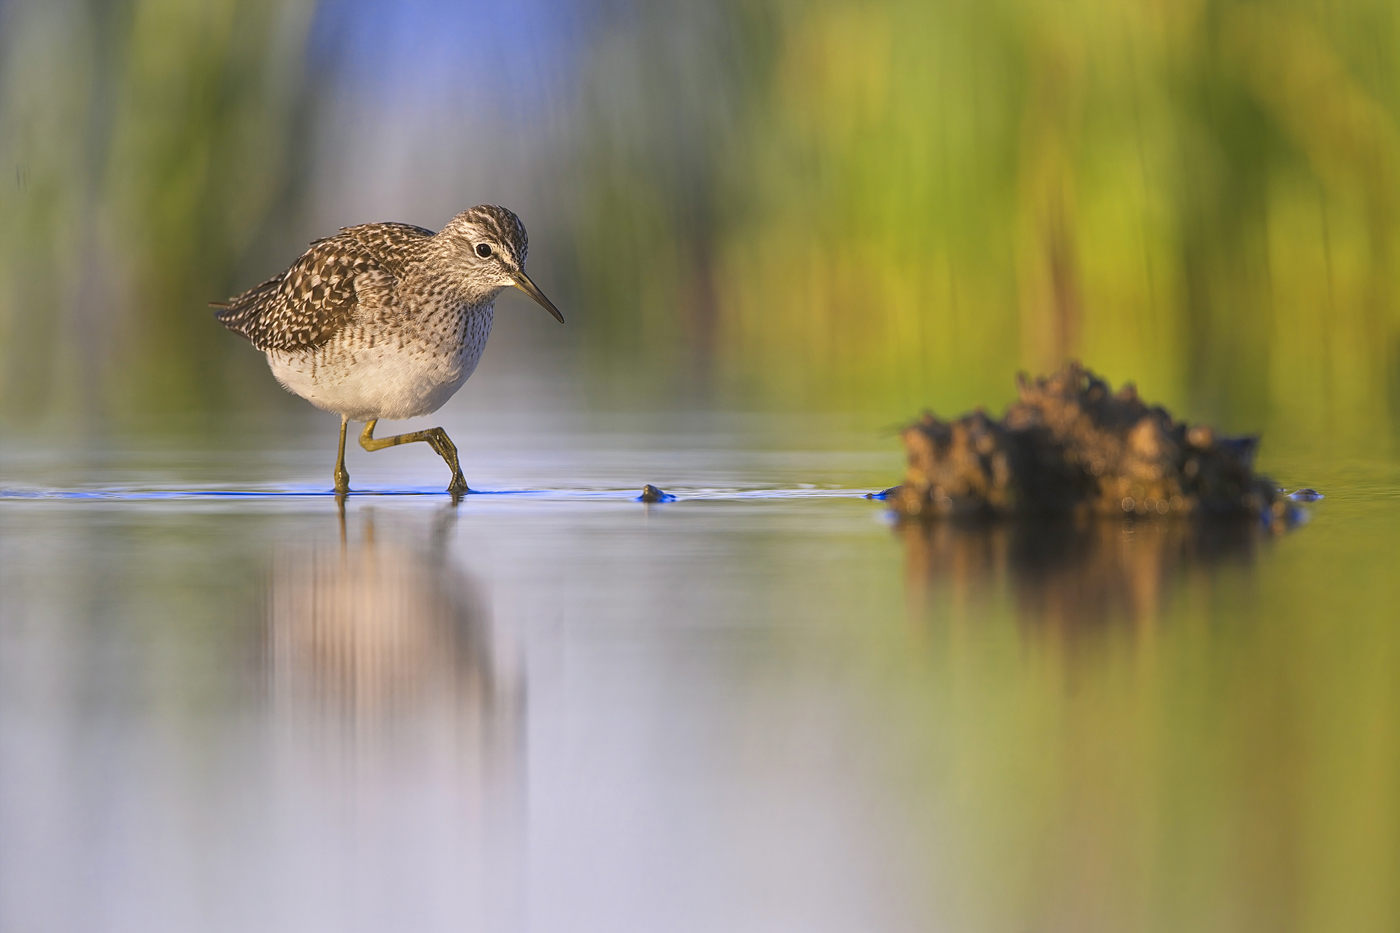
369,371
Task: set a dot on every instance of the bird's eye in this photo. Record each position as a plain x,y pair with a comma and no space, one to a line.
483,250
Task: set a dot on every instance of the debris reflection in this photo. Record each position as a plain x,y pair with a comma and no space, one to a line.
1070,577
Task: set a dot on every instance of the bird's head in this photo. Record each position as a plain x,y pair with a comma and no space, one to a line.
487,245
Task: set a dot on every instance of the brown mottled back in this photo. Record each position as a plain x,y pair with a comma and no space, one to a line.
306,305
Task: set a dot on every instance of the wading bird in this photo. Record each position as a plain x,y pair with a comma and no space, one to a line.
387,321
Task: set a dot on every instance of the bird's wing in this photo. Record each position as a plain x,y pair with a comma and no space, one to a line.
391,245
306,305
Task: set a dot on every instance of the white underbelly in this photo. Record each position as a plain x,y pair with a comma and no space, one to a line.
388,380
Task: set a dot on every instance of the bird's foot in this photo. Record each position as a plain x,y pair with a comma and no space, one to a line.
342,483
458,486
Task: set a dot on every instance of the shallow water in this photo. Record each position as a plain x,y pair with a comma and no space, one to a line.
759,707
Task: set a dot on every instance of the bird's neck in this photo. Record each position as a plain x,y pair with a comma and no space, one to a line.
443,287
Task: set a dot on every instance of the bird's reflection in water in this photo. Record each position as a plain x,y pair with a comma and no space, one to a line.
379,645
1070,577
399,717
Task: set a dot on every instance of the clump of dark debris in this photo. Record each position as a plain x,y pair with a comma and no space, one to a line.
1071,445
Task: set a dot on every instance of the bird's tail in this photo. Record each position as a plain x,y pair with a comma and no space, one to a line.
243,313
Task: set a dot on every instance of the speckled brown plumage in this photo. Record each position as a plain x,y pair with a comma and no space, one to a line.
386,320
303,306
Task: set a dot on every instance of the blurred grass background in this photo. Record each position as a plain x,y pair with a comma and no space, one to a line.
822,205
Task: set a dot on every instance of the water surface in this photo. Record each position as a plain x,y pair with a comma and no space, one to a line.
759,707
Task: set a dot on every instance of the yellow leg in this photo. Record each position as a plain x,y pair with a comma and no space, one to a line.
342,477
436,438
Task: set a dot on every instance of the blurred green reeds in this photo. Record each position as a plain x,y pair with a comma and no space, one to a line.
823,204
150,146
913,200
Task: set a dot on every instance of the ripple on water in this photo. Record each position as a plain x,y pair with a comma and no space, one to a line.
116,493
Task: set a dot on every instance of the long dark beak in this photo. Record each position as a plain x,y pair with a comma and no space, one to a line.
522,282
